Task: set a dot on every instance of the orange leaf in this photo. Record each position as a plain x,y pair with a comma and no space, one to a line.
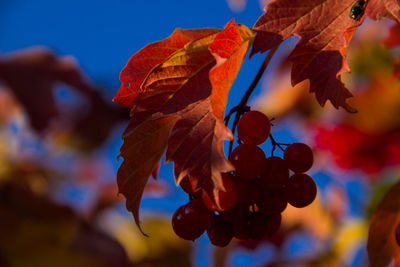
141,150
190,86
141,63
382,246
377,9
325,28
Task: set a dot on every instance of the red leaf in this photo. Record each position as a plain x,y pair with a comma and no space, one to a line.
154,174
382,246
188,91
141,150
141,63
377,9
325,28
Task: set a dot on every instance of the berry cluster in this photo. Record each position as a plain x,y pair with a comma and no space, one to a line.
255,194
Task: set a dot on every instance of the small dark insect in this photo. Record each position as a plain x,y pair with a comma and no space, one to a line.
357,10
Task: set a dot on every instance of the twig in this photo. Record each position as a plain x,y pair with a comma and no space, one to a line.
242,107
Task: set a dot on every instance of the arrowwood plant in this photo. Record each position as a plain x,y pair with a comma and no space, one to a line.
177,90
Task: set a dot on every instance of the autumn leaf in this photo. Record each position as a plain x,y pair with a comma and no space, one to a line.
141,150
325,28
141,63
377,9
180,108
382,246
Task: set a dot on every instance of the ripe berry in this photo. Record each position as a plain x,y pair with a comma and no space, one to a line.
249,161
236,213
219,233
274,223
240,230
189,185
226,199
249,192
301,190
189,221
253,128
299,157
397,234
275,175
273,202
257,224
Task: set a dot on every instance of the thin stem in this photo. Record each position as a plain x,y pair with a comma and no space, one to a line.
242,107
275,144
260,73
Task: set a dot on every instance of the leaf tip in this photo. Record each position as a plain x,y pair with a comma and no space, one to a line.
350,109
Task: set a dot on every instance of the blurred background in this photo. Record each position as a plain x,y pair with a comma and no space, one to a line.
60,135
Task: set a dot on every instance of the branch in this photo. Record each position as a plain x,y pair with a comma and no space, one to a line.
242,107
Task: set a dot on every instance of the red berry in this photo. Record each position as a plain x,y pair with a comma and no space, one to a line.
226,199
253,128
236,213
397,234
299,157
189,185
301,190
257,224
274,223
219,233
250,192
240,230
189,221
249,161
273,202
276,174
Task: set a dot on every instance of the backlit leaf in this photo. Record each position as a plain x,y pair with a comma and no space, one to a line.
141,63
185,97
325,28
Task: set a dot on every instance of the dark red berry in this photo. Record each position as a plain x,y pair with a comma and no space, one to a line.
254,128
226,198
249,161
189,221
275,175
189,185
257,225
248,191
240,229
236,213
301,190
273,202
397,234
274,223
299,157
252,192
219,233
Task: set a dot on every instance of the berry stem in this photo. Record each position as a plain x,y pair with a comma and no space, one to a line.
242,107
275,144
